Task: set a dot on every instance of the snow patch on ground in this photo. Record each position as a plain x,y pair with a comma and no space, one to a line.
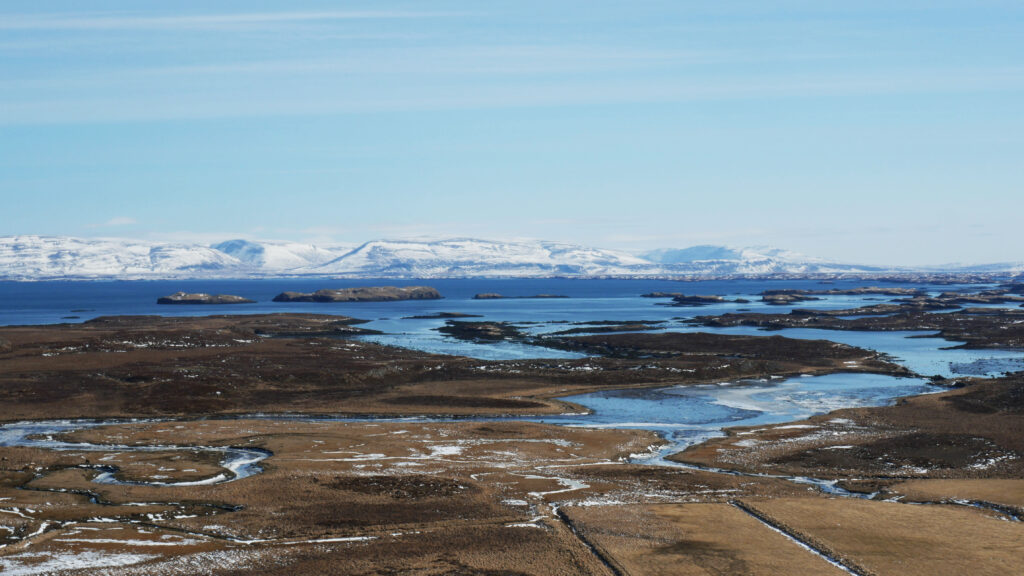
35,563
445,450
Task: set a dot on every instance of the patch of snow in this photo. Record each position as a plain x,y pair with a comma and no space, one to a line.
30,563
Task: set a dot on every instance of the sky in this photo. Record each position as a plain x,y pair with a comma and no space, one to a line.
868,132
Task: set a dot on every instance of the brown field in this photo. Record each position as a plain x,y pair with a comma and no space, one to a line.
1008,492
892,538
478,497
693,540
348,497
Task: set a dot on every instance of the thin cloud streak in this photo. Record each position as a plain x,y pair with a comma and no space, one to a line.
296,99
200,22
454,61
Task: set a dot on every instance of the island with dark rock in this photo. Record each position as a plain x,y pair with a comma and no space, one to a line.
661,294
786,297
441,316
617,327
972,327
363,294
682,300
496,296
481,331
696,300
201,298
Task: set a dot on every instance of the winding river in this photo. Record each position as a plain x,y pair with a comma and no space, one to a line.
682,415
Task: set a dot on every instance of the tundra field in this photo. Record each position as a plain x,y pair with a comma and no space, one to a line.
284,444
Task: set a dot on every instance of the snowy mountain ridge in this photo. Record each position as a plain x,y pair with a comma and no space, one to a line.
60,257
472,257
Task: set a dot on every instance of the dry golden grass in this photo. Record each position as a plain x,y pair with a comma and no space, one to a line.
1004,492
888,538
431,497
694,540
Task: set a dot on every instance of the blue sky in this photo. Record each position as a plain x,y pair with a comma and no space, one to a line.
876,132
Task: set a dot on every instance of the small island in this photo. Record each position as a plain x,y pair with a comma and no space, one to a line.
441,315
481,331
786,297
496,296
200,298
680,299
363,294
696,300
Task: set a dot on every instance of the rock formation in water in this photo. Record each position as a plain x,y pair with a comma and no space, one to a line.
496,296
363,294
200,298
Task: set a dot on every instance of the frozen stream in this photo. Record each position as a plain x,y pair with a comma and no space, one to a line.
687,415
238,463
683,415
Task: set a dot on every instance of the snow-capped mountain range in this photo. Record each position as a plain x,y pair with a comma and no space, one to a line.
58,257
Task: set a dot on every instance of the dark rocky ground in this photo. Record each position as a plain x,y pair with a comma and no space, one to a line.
975,327
145,366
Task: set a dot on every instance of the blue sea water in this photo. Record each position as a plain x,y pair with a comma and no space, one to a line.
589,300
613,299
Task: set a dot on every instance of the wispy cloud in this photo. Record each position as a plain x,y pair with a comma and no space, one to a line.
453,62
313,94
115,222
119,21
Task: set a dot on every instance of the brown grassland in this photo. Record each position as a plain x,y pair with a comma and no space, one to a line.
943,473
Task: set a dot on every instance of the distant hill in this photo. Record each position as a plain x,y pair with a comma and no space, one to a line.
471,257
281,256
754,261
60,257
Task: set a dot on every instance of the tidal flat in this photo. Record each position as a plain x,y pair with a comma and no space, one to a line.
298,443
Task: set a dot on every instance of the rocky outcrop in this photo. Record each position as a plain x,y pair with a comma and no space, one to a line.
363,294
682,300
200,298
496,296
985,297
481,331
623,327
785,297
441,315
1014,287
661,294
696,300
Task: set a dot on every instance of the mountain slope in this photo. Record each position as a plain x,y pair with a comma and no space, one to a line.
57,257
470,257
51,257
753,261
281,256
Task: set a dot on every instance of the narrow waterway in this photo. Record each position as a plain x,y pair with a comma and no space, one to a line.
682,415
